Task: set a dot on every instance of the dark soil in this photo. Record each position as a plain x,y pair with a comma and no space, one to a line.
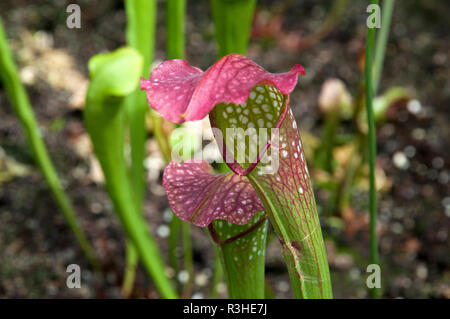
36,245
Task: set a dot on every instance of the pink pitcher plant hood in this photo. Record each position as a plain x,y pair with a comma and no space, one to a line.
181,92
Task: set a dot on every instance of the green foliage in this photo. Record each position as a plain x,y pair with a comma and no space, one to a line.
115,73
232,20
373,70
105,118
175,10
19,100
140,34
382,39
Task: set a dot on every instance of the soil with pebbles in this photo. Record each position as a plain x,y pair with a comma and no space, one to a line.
413,145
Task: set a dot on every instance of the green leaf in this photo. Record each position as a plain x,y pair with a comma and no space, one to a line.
104,117
17,94
117,72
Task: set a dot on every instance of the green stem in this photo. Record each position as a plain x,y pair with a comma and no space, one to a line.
232,20
382,39
348,181
243,257
217,273
140,33
175,11
20,102
131,260
375,292
268,292
175,226
188,257
332,123
325,152
115,75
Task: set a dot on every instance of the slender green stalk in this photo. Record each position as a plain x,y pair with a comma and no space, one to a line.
374,259
175,228
268,292
348,181
382,39
217,274
324,155
141,15
131,261
20,102
175,12
188,257
331,126
242,267
232,20
113,76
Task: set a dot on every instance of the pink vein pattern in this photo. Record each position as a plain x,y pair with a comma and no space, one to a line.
290,185
290,190
181,92
199,196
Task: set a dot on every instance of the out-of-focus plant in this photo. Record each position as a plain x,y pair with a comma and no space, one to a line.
140,34
239,94
334,99
356,153
20,102
113,76
382,104
232,21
